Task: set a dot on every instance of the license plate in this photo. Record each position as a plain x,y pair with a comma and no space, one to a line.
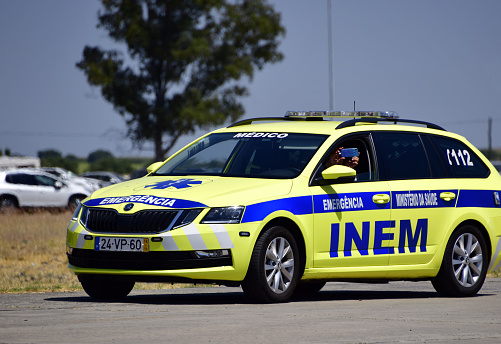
122,244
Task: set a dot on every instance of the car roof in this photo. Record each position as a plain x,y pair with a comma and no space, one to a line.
29,171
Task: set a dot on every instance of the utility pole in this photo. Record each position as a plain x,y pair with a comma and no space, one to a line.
331,69
489,138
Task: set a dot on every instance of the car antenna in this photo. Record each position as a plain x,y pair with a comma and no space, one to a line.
354,106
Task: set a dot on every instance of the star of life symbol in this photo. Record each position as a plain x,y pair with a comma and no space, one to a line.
178,184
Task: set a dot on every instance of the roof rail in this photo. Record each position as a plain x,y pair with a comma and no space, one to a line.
264,119
341,114
353,122
308,116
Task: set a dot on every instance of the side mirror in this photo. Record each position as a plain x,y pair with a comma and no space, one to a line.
58,185
154,166
338,171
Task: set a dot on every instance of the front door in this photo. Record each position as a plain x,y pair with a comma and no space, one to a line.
352,221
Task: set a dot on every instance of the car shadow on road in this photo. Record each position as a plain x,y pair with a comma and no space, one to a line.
206,296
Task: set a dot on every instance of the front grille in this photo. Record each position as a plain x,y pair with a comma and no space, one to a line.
148,221
144,260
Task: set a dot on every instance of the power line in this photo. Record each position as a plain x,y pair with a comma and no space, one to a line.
52,134
468,121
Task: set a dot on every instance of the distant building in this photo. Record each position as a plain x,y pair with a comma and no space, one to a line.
7,162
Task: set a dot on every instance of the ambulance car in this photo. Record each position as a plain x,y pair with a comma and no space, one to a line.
282,205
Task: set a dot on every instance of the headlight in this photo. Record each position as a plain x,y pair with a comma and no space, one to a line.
224,215
84,216
186,217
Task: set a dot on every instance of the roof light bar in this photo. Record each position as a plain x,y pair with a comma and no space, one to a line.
354,114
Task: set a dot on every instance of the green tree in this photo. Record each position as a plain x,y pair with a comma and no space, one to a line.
184,60
69,165
50,154
120,165
99,154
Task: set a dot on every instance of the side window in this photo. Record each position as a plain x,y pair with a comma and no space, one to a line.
21,178
461,160
44,180
402,155
364,165
437,167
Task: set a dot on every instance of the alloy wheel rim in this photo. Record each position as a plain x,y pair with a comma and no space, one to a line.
279,265
467,260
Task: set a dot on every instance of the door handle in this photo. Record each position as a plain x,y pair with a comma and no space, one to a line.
447,196
381,198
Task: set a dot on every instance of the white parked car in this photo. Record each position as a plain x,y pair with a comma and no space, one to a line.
107,178
32,188
90,184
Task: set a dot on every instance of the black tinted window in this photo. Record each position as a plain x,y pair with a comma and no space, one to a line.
21,178
437,167
403,156
44,180
461,160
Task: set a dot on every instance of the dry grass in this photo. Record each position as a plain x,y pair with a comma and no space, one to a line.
32,252
33,256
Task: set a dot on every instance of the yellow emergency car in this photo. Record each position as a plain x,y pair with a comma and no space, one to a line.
283,205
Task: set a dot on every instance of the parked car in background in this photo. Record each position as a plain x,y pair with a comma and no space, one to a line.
88,183
33,188
141,172
106,177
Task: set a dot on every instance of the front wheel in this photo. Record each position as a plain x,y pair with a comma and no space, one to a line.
465,262
105,288
274,268
7,204
74,202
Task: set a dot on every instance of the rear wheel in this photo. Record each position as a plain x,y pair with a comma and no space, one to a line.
465,262
274,268
105,288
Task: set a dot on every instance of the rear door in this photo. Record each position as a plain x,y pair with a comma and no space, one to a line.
26,189
423,198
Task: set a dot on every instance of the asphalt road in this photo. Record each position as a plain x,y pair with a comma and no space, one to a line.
398,312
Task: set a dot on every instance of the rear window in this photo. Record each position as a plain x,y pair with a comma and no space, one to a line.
460,159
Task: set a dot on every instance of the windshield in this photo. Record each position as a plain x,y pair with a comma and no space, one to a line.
262,155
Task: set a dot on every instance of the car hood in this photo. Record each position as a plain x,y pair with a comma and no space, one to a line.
190,192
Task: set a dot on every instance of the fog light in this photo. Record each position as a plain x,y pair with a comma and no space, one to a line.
212,254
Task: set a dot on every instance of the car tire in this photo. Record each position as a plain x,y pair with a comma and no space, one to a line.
8,203
105,288
274,267
74,202
464,265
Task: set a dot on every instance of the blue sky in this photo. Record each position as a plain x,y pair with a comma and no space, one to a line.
432,60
